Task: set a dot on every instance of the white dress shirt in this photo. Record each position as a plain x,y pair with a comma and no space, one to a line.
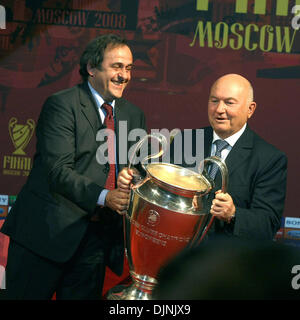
99,101
230,140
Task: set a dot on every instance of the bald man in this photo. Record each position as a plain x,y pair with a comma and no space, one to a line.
253,205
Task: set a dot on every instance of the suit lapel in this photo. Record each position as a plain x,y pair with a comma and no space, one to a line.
89,107
120,114
240,151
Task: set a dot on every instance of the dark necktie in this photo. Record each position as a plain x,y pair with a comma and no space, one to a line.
109,122
220,144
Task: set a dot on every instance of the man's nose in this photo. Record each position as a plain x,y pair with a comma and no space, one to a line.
124,74
221,107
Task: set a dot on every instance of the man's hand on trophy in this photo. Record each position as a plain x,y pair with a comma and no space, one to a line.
195,203
223,207
124,179
118,200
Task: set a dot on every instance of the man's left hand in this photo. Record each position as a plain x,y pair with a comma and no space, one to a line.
222,206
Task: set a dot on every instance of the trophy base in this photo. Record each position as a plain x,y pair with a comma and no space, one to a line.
123,292
140,289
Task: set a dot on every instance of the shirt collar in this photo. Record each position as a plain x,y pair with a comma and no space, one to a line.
99,100
232,139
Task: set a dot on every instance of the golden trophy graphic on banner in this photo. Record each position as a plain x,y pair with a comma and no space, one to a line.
20,134
162,218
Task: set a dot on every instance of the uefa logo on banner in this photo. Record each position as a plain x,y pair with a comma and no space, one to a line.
18,163
20,134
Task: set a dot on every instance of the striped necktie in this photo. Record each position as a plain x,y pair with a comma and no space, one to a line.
109,122
220,144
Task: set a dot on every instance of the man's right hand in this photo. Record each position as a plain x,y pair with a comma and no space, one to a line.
124,179
118,200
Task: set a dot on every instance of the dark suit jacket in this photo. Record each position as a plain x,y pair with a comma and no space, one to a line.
53,209
257,183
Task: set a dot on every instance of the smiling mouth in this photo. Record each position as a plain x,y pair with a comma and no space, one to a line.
119,83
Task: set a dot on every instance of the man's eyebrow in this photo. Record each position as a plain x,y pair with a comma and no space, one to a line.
228,98
213,97
122,64
231,98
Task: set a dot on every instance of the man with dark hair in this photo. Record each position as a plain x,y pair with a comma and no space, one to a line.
66,225
94,52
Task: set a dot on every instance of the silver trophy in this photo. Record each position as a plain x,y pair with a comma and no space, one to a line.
168,211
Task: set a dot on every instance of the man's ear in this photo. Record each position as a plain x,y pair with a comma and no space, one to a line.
251,109
90,69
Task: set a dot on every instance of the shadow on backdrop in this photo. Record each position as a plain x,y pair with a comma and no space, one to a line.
231,269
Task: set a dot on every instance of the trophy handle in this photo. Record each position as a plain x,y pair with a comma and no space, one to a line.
224,173
163,147
223,168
